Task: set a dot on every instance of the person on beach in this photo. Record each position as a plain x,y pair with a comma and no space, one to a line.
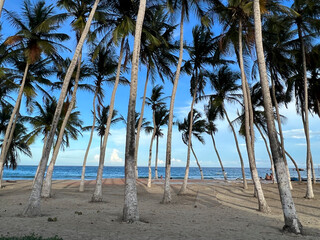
267,177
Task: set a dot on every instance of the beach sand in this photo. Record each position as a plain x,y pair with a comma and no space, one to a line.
210,210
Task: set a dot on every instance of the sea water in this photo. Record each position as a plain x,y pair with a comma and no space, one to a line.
74,172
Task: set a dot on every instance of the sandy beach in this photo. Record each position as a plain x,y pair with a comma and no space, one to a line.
210,210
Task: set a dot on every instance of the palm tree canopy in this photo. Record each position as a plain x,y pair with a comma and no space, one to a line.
37,31
198,127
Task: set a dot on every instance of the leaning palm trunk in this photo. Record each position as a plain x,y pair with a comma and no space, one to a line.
309,193
83,172
245,186
14,115
269,153
195,156
130,208
296,166
47,185
97,194
1,6
186,174
280,129
263,206
156,160
218,155
140,120
292,222
150,150
33,205
167,193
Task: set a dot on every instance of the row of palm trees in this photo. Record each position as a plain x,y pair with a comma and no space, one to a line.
285,50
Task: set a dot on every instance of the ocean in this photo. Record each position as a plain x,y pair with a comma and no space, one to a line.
74,172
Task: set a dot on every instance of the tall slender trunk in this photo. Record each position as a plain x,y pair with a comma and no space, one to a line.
33,205
309,193
296,166
167,192
263,206
186,175
47,184
83,172
130,208
218,155
269,153
276,106
156,160
292,222
97,194
1,6
141,119
10,128
197,161
150,149
245,186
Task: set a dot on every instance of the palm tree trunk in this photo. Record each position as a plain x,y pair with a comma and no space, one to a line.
10,128
200,169
167,192
150,150
81,187
309,193
269,153
130,208
47,185
186,175
245,186
1,6
156,160
218,155
33,205
296,166
141,119
97,195
276,106
263,206
38,168
292,222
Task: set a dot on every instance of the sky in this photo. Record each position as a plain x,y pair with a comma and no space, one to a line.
292,128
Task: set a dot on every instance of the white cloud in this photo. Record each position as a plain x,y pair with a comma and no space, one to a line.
115,156
160,162
176,160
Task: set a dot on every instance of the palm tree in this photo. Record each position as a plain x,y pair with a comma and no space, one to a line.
156,53
306,18
161,118
224,84
104,66
198,128
184,6
203,52
120,28
33,206
211,129
292,222
130,208
102,121
19,144
156,101
38,35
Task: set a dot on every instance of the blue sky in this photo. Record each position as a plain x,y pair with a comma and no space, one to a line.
293,131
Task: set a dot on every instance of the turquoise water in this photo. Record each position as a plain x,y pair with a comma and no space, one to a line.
74,172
